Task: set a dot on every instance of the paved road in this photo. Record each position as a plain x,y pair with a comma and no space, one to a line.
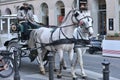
92,63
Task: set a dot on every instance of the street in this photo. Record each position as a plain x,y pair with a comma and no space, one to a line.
34,25
92,63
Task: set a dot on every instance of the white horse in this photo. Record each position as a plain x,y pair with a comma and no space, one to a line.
82,34
46,38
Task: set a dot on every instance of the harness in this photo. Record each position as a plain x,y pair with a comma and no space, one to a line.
59,41
66,40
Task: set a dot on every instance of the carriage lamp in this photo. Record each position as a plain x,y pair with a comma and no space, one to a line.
106,71
13,27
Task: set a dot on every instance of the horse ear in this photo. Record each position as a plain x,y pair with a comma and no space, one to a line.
74,5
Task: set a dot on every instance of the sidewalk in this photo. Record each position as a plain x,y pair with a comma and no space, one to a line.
28,73
66,76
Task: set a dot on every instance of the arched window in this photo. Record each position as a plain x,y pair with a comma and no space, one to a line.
8,11
44,9
60,9
102,17
32,7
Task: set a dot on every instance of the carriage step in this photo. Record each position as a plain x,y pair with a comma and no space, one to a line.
24,46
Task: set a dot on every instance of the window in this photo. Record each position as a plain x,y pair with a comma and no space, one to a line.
8,11
119,20
0,12
83,4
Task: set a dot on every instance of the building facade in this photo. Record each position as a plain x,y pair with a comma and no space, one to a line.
105,13
106,16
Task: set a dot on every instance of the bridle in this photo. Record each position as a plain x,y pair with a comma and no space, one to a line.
86,28
74,24
67,39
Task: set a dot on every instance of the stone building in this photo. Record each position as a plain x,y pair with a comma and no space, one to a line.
105,13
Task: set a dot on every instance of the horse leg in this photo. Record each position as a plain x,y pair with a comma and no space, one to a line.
61,64
71,52
64,65
45,57
54,65
80,60
41,65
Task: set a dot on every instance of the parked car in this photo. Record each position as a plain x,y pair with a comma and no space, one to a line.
95,45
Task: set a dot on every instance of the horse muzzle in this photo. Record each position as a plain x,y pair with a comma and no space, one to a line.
81,23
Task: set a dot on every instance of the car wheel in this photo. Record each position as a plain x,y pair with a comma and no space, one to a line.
91,51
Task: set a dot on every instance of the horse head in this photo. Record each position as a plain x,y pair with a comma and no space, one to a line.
86,23
76,16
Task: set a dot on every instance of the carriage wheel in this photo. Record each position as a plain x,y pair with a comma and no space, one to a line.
6,69
11,47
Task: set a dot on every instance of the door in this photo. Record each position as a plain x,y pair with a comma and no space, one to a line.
102,23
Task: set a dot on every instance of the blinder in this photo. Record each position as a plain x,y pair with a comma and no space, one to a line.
76,14
84,25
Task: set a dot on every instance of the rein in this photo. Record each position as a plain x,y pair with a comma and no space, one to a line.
86,17
66,40
74,24
69,40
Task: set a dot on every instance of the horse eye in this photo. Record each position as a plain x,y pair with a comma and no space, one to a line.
88,19
92,21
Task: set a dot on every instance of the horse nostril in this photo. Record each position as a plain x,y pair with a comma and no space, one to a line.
81,23
90,34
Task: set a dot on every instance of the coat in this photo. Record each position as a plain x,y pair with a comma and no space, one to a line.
23,16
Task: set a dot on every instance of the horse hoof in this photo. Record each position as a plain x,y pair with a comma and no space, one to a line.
75,78
84,77
59,76
55,70
64,68
42,72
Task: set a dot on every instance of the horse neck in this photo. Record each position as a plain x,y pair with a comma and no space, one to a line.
69,27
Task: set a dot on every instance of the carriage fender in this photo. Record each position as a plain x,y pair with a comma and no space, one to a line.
9,42
6,43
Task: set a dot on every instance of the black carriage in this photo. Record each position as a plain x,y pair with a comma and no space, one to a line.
20,43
